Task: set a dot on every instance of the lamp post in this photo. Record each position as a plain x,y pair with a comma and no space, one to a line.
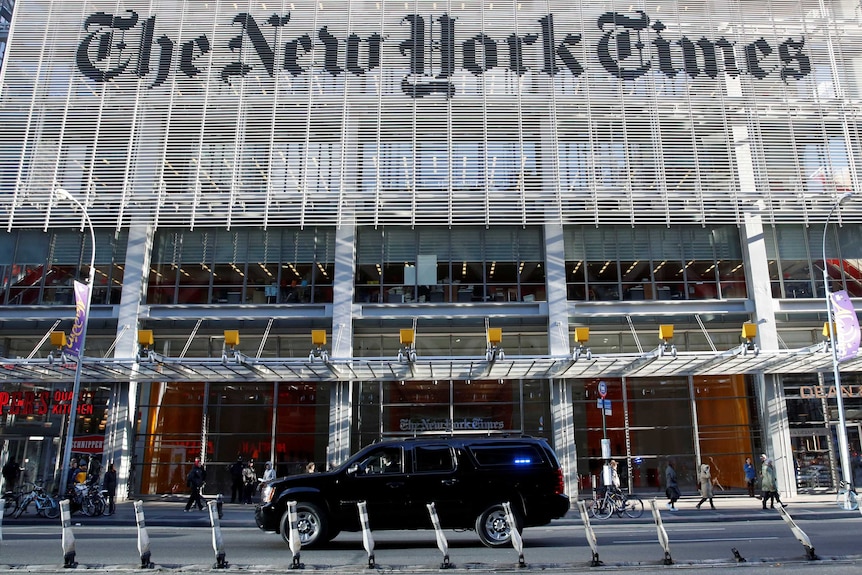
76,386
843,447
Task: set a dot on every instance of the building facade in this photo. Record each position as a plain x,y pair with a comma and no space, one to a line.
428,184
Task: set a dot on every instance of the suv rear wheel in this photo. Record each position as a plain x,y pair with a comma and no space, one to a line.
310,522
493,527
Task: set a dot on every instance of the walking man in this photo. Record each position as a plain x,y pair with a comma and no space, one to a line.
195,481
109,484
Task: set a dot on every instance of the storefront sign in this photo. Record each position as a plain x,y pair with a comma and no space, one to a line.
630,46
41,403
92,444
466,424
822,391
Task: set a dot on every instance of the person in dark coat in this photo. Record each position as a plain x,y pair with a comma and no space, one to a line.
236,486
671,486
11,473
109,484
195,481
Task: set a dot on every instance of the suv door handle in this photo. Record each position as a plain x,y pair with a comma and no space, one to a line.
449,481
395,484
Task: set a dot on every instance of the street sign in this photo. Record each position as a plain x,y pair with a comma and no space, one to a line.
603,389
604,404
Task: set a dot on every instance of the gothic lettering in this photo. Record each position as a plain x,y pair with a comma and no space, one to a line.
431,52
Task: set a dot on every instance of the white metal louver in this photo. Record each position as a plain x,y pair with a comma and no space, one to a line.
429,112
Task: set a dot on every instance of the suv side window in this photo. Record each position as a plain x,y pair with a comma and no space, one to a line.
433,458
519,455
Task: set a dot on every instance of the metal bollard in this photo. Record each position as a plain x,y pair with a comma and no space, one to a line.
662,534
218,541
800,535
367,538
517,542
68,537
143,537
294,542
442,543
220,505
591,535
1,529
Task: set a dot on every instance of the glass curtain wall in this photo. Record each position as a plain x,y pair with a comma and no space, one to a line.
255,266
39,267
795,255
436,264
653,263
650,422
483,407
219,422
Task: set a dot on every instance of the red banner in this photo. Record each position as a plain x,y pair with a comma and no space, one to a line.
90,444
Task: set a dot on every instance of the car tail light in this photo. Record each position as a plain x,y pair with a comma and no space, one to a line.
561,486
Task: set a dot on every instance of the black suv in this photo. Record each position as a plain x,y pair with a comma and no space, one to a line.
467,479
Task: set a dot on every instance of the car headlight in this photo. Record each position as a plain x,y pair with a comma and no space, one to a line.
266,494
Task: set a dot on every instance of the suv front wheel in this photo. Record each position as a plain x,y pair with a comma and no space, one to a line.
493,527
310,522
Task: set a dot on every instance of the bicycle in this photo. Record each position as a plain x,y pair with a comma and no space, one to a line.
846,498
46,506
615,501
11,502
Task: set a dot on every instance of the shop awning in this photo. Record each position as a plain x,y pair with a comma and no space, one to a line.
239,367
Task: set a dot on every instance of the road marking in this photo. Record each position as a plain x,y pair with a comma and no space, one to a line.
708,540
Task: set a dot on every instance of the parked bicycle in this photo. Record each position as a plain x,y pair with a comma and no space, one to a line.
849,496
87,498
11,501
46,505
615,501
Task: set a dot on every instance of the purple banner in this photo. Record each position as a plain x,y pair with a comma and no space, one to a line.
82,296
846,325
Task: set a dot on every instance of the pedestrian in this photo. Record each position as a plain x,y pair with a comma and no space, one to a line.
750,475
671,486
268,472
309,467
705,479
615,477
195,482
236,487
769,483
81,475
11,473
109,484
249,479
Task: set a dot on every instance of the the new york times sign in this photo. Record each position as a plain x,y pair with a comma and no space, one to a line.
629,47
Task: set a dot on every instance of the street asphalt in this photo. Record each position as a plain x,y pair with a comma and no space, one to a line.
169,512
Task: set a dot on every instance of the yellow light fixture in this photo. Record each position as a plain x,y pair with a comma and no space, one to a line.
231,337
826,329
318,337
495,335
408,336
582,335
58,338
749,330
665,331
145,337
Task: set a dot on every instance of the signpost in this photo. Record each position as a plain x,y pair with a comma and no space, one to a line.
606,444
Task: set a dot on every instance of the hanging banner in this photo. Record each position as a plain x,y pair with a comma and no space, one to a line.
846,326
82,296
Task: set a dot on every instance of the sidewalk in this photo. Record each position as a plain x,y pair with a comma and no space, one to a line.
168,511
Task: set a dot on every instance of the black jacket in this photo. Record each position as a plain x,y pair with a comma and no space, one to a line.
197,477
